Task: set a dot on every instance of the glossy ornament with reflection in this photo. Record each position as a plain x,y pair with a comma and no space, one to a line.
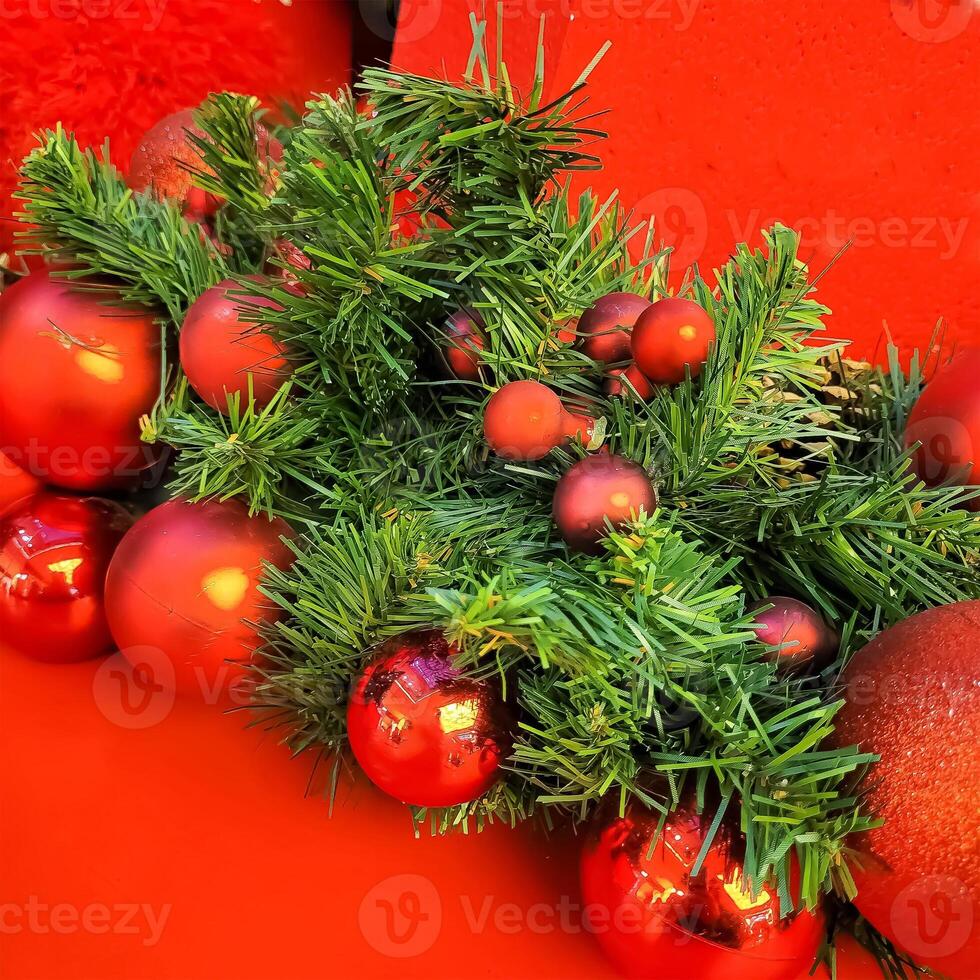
221,348
598,491
672,337
525,420
421,732
655,918
606,325
946,422
185,580
794,632
75,377
912,697
54,552
464,344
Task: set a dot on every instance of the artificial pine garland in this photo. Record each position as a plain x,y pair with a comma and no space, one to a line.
634,672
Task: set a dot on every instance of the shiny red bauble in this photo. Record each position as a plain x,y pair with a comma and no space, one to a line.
913,698
638,385
421,732
54,552
464,344
164,160
670,338
596,492
946,421
793,631
184,581
525,420
75,377
220,351
605,326
655,918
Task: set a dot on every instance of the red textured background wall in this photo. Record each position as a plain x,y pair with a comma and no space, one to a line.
847,120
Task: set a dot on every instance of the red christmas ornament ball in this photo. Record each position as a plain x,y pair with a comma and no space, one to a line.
421,732
54,552
794,632
913,698
75,377
185,581
164,160
616,385
463,329
606,325
672,336
946,421
220,350
597,491
655,918
525,420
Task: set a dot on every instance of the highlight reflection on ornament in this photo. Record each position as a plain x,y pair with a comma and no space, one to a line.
661,919
54,552
420,731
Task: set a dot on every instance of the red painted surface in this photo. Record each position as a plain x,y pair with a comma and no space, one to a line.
842,119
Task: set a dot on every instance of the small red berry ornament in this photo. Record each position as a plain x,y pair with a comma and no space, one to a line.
220,351
285,261
670,337
421,732
655,918
164,159
794,632
185,581
463,329
946,421
54,552
606,326
616,386
913,699
525,420
597,491
75,377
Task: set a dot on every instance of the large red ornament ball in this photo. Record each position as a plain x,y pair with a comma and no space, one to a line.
671,337
54,552
597,491
220,351
913,698
655,918
793,631
421,732
946,421
75,377
525,420
185,581
606,326
164,160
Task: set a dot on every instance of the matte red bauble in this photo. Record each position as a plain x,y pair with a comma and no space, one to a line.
656,919
185,580
946,421
220,351
54,552
597,491
164,160
464,344
606,325
75,377
639,385
421,732
670,337
913,698
526,420
794,632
